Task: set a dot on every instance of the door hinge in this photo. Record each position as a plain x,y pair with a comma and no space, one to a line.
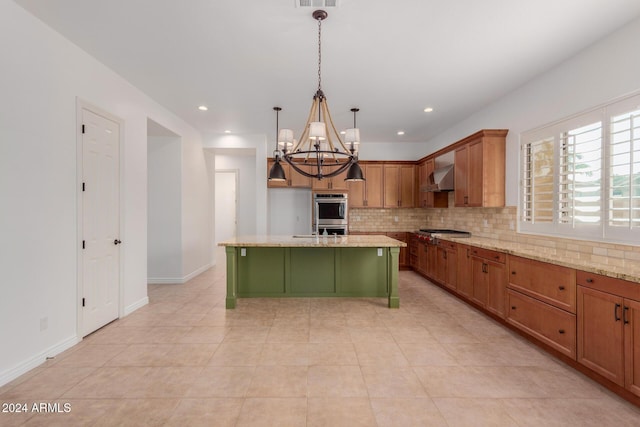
82,128
83,302
83,244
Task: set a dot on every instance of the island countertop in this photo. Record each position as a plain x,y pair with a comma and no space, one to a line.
355,241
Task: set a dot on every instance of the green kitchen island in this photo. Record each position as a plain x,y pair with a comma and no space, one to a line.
292,266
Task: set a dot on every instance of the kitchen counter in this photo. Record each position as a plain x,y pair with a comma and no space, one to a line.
357,241
630,272
310,266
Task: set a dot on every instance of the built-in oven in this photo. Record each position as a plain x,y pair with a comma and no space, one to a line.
330,211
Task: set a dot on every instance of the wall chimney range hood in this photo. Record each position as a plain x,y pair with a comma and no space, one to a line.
441,179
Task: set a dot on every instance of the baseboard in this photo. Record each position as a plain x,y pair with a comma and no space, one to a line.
136,305
177,280
196,272
37,360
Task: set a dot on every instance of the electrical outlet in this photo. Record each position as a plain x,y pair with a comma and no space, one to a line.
512,225
485,223
396,219
243,251
44,323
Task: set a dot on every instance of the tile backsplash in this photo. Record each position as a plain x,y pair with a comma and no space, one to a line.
492,223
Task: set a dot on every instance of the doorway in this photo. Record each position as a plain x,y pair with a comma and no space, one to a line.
99,265
226,202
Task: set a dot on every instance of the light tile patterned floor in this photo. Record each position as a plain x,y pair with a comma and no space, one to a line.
184,360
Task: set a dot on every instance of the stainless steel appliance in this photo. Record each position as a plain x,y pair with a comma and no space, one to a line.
330,213
429,235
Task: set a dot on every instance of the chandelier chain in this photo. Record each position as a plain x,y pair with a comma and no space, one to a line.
319,54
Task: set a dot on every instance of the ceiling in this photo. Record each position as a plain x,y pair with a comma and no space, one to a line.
391,59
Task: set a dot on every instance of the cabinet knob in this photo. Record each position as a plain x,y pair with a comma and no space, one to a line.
513,307
561,331
513,272
561,288
589,280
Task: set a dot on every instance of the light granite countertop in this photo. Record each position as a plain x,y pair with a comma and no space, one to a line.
630,272
308,241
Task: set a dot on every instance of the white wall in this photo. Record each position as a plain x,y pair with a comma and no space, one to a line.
164,208
42,75
604,71
246,195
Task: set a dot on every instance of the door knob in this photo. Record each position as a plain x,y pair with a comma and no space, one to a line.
117,242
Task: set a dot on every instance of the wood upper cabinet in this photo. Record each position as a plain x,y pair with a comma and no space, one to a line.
293,178
335,183
399,185
609,328
480,170
428,199
489,279
368,193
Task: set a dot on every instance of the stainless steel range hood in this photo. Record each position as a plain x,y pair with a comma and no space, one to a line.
441,179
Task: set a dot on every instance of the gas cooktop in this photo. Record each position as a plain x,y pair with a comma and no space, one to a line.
427,234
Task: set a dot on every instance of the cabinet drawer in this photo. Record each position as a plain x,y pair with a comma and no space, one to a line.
447,245
623,288
489,254
398,235
553,284
549,324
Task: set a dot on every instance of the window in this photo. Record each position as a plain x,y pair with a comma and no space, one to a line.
581,176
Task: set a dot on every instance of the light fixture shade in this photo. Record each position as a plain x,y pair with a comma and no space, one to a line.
354,173
352,135
277,172
285,136
317,130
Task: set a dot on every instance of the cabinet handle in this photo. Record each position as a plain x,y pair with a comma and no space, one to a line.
561,331
625,319
589,280
466,200
615,312
513,272
561,288
444,255
497,257
513,307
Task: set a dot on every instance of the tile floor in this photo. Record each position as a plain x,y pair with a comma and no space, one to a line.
184,360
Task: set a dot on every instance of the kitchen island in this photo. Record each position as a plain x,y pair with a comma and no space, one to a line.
310,266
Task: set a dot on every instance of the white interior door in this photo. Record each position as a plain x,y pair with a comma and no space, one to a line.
225,205
100,284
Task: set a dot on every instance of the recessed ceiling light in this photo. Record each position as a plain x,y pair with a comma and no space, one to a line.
227,131
400,132
343,132
203,108
428,110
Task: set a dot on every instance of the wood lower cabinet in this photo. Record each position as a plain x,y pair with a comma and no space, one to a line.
489,278
464,285
609,328
446,264
552,326
427,259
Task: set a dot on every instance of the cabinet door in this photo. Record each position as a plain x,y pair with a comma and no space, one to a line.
600,333
423,256
374,189
356,194
407,186
452,264
338,182
475,178
480,291
391,186
631,320
425,198
464,285
496,277
461,172
441,265
298,180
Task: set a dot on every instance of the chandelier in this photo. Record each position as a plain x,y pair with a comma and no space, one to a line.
320,152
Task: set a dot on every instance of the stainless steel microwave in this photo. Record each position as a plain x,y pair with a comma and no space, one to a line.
330,209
